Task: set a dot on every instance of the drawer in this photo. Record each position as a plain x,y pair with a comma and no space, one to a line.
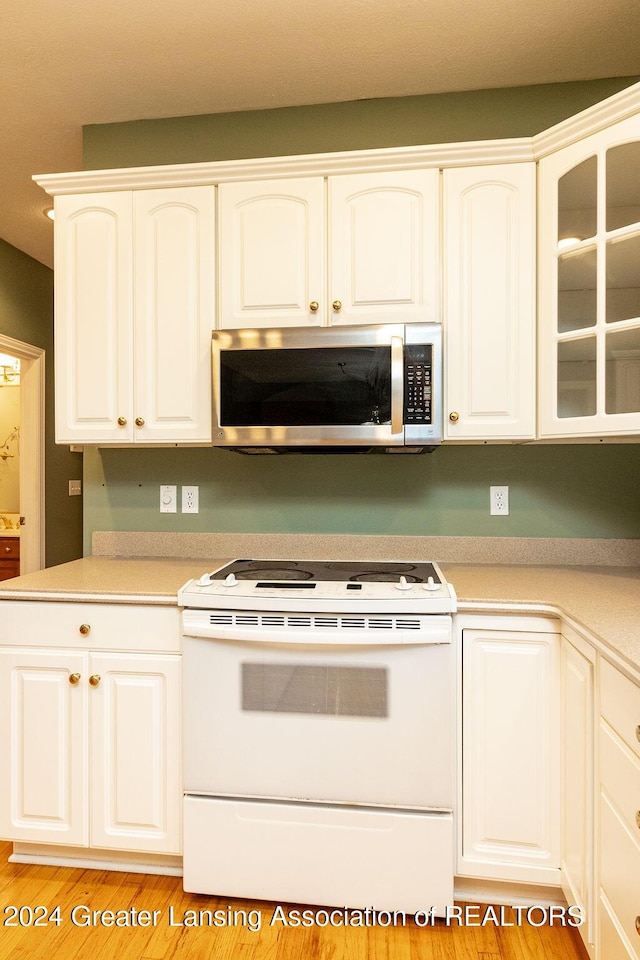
9,548
620,779
611,943
96,626
620,704
620,869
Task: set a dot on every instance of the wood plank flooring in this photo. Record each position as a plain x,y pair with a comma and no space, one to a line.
79,892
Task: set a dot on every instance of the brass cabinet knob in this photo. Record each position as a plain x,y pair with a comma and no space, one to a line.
122,421
638,925
74,679
94,679
139,421
7,549
638,733
638,818
454,416
84,629
337,306
314,306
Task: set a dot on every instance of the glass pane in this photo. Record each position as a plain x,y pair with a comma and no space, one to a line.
623,279
577,210
577,378
328,691
577,291
623,372
623,185
316,386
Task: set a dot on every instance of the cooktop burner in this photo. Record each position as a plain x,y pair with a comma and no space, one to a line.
326,571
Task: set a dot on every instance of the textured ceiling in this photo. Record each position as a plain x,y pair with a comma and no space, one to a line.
66,64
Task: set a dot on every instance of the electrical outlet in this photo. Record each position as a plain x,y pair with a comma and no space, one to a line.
499,501
168,498
190,499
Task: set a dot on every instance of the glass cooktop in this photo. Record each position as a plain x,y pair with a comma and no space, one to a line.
323,571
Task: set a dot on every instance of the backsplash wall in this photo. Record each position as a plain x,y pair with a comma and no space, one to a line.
577,490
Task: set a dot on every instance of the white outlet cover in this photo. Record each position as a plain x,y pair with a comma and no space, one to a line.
190,499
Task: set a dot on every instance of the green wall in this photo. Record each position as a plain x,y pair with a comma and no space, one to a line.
26,314
583,490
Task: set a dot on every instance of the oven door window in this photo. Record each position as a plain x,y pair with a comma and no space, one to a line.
306,386
318,690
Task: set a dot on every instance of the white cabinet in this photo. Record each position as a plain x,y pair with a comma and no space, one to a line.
490,302
578,745
381,231
91,738
589,296
134,310
619,798
510,822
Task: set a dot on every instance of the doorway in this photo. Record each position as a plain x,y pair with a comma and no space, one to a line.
30,436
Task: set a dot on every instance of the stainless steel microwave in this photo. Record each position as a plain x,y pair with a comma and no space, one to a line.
325,389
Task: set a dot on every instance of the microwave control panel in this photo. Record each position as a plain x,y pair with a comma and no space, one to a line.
417,383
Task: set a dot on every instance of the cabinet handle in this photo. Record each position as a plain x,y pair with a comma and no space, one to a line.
638,733
84,629
94,679
337,306
122,421
74,679
638,925
638,818
314,306
139,421
454,416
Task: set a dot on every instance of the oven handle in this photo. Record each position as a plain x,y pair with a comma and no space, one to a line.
342,637
397,384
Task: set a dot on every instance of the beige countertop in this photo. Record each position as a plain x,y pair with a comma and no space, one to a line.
603,601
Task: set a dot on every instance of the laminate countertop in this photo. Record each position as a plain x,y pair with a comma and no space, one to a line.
603,601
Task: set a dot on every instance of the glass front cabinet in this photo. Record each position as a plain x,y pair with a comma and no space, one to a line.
589,298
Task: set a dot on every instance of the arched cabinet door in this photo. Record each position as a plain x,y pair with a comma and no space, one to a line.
589,297
489,316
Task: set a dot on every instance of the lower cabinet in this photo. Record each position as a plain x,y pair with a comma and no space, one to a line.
91,743
510,791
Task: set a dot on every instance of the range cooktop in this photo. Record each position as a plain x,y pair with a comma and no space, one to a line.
322,584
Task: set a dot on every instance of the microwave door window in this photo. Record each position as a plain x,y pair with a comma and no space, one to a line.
306,387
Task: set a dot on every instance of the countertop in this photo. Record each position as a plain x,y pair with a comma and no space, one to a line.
603,601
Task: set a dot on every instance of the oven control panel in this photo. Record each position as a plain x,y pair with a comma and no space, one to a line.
417,383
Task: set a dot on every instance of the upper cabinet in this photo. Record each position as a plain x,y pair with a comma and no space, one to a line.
134,306
590,285
489,302
361,248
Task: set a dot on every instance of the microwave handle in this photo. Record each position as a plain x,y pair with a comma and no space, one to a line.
397,384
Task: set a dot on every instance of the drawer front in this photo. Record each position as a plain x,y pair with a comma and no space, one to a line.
611,944
9,548
620,704
95,626
620,869
620,779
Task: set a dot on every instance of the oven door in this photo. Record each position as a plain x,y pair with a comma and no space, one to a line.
365,723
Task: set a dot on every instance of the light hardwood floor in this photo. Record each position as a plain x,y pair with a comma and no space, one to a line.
32,886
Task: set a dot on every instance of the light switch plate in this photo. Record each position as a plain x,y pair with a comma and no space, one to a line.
168,498
75,488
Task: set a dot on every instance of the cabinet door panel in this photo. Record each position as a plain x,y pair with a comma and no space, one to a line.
174,313
136,779
510,753
272,253
93,306
383,238
43,749
489,217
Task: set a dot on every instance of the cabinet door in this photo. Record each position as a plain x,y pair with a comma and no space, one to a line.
490,319
272,253
384,243
510,755
578,786
174,314
590,285
136,779
43,747
93,318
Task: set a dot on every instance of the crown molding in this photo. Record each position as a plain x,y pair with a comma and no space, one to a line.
317,164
